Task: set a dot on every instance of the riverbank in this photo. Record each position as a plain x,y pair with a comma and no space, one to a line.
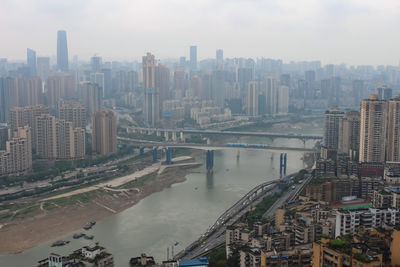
61,217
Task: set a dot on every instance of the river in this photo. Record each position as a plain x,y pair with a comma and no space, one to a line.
182,212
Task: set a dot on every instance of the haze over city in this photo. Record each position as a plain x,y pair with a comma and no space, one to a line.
352,32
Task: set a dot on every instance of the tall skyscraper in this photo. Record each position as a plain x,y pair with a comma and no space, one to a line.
31,61
162,82
349,134
271,95
46,136
62,51
384,93
104,132
70,141
151,93
252,98
179,83
393,130
96,63
220,59
310,80
43,67
98,78
373,129
331,128
283,99
357,88
193,58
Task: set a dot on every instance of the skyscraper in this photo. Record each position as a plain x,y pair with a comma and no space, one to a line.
43,67
271,95
31,61
62,51
148,65
162,82
75,113
373,130
357,88
46,136
283,99
95,63
98,78
179,83
193,58
220,59
104,132
393,134
384,93
349,134
91,97
252,99
151,94
331,127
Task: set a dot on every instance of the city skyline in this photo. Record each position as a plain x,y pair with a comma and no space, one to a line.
334,32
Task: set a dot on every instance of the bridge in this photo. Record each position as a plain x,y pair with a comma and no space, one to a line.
146,143
183,131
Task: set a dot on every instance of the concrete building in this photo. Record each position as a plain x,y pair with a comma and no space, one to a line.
162,82
104,132
31,61
193,58
98,78
295,257
45,129
151,93
331,127
393,131
271,95
373,130
75,113
283,99
70,141
91,97
349,134
252,98
60,87
62,51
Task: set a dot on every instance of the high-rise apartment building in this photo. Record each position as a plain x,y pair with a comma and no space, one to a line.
393,130
349,134
96,64
46,136
98,78
252,98
31,61
70,141
357,88
17,158
149,66
283,99
271,95
43,67
104,132
91,97
384,93
151,93
75,113
219,57
162,82
60,87
196,85
373,129
62,51
179,83
331,127
193,58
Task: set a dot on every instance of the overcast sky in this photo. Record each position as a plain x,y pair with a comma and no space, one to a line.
334,31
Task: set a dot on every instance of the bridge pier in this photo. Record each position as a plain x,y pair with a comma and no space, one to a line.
168,156
158,133
166,136
174,136
141,149
182,137
155,156
210,160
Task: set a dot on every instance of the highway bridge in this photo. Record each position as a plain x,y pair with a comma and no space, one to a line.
146,143
183,131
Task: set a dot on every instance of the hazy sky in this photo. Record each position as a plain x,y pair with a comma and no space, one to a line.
334,31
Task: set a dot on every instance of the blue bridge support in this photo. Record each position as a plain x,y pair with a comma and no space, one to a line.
210,160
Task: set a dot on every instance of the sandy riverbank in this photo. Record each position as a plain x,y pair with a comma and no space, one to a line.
24,233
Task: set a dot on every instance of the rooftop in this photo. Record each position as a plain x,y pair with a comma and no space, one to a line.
194,262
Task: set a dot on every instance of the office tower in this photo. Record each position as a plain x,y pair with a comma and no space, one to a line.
162,82
393,130
384,93
193,58
207,86
244,76
326,89
95,63
373,130
151,94
196,85
220,59
91,97
107,82
62,51
46,136
252,99
104,132
98,78
310,80
179,83
43,67
10,95
283,99
331,128
218,87
132,80
285,80
271,95
349,134
31,61
74,113
357,88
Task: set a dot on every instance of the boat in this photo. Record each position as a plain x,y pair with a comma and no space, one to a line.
76,236
89,237
176,243
59,243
